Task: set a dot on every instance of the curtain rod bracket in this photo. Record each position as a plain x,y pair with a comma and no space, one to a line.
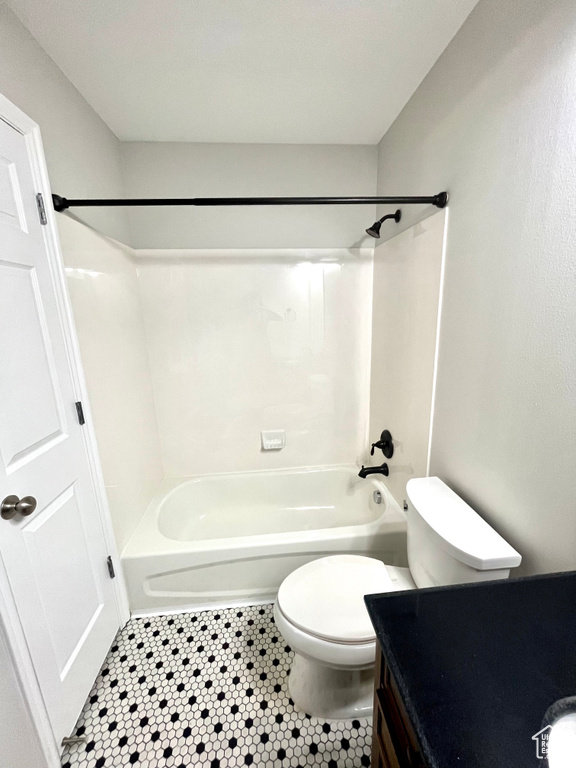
441,200
60,203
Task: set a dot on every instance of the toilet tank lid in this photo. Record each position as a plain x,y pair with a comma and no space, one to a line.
463,533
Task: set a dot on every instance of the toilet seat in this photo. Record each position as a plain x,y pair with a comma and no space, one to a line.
327,652
325,598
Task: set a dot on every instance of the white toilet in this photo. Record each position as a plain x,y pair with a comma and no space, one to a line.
320,607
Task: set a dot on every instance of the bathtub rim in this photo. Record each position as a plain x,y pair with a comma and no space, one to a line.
147,538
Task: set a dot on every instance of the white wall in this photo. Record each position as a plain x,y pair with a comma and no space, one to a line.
154,169
494,123
242,341
82,154
406,294
105,297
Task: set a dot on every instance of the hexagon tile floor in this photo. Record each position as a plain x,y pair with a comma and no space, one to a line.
207,690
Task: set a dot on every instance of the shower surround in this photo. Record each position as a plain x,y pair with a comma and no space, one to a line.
244,341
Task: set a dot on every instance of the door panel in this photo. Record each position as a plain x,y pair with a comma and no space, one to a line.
58,552
11,204
55,558
30,418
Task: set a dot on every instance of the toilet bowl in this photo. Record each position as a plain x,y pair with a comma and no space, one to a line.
320,607
334,650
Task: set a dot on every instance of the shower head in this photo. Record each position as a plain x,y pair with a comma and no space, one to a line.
374,230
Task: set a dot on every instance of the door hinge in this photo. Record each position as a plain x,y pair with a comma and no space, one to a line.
80,412
110,565
41,209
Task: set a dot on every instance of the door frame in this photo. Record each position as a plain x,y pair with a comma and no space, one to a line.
9,619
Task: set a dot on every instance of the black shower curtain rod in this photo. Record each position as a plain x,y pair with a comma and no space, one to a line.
440,200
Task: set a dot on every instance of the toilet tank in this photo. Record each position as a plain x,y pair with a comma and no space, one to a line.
448,542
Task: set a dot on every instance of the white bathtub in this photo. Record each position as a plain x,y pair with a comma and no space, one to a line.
231,539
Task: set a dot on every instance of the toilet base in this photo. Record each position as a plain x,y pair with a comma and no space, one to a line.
329,693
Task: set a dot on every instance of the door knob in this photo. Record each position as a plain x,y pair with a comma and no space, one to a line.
12,506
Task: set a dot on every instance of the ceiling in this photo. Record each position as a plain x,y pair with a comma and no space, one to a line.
298,71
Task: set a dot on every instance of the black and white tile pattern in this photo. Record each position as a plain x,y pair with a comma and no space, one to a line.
206,689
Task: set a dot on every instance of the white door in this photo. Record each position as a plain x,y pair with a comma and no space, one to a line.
55,557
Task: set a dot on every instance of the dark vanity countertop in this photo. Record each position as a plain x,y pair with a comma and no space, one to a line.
478,665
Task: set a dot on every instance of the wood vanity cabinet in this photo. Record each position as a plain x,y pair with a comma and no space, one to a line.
394,743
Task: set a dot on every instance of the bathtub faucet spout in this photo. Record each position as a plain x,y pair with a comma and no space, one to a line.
383,470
